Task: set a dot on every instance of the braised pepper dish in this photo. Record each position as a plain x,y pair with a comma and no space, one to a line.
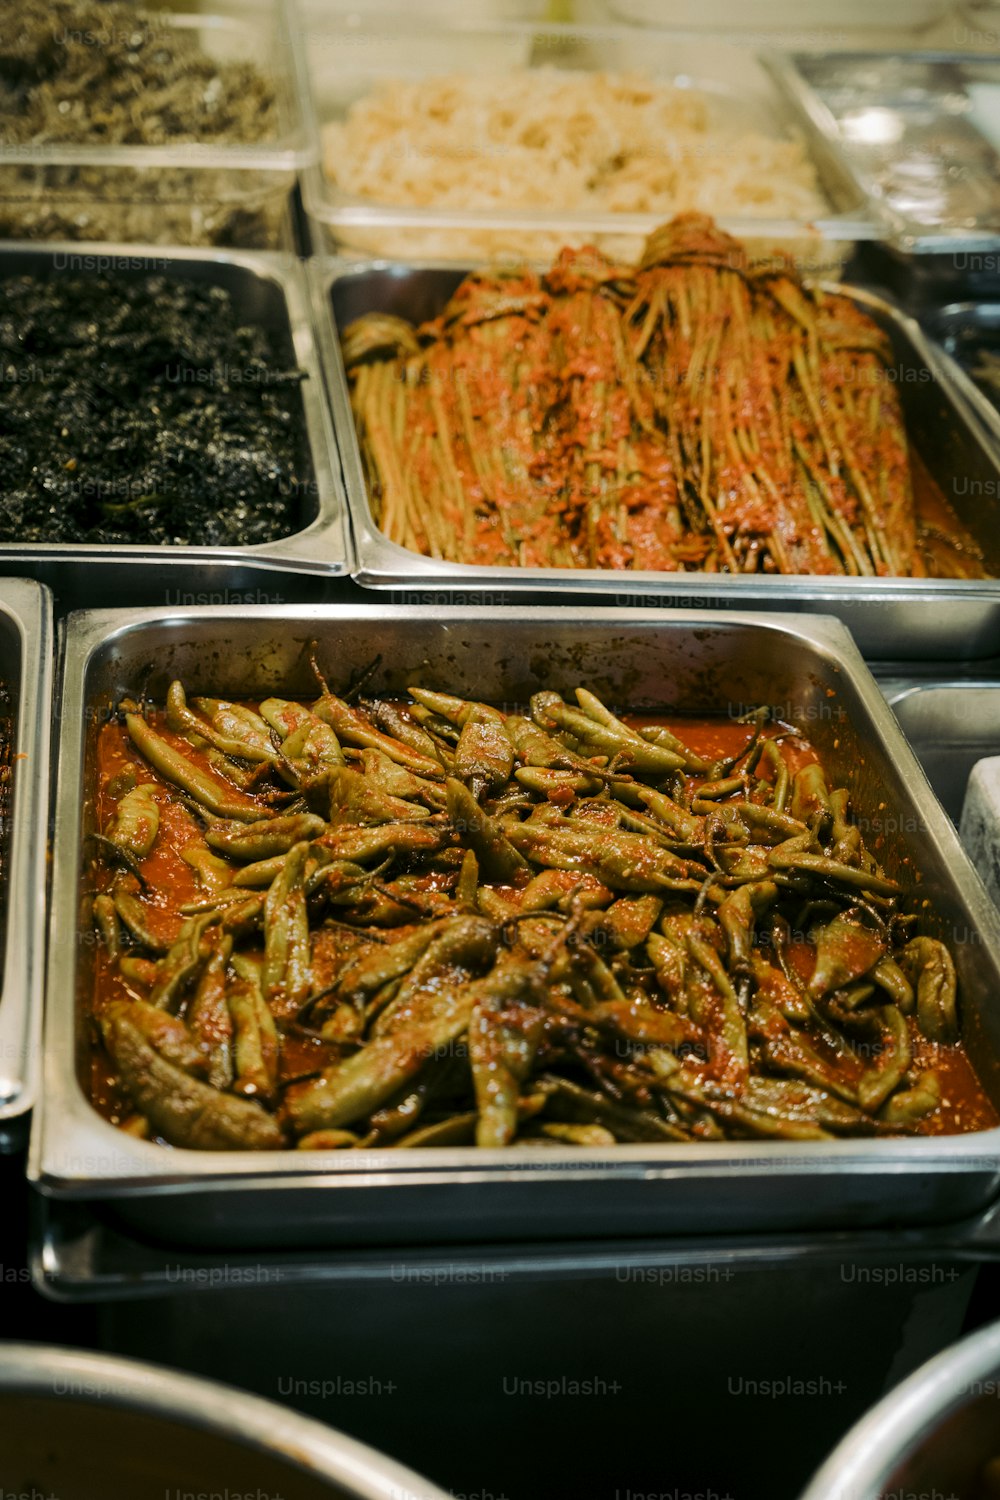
425,920
696,412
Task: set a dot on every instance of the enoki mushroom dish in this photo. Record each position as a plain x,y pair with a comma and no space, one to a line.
422,920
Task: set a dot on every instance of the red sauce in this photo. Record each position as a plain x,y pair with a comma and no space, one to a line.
964,1105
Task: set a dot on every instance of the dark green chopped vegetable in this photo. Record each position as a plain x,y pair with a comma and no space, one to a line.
141,410
116,75
102,75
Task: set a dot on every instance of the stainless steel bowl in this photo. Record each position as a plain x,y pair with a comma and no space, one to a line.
932,1436
84,1426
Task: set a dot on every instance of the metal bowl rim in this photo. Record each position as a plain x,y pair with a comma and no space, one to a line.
209,1406
893,1430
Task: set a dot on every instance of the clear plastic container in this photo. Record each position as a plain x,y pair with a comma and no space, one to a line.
781,15
456,11
343,54
197,193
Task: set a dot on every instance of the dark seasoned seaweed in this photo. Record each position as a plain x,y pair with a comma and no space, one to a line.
141,410
436,942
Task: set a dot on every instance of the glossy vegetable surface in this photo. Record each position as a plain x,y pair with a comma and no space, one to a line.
385,923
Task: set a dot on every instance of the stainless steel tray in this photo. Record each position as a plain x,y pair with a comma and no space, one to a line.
915,132
681,661
269,292
499,1312
889,617
949,726
26,649
79,1253
960,329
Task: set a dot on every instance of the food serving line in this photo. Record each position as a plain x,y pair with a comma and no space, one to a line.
546,1289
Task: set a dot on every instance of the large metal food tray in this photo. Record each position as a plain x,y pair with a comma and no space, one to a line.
915,132
896,618
950,726
268,292
343,51
677,661
964,329
26,714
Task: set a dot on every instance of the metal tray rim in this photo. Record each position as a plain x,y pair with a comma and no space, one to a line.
891,1434
322,548
29,607
902,688
977,401
356,213
103,1162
